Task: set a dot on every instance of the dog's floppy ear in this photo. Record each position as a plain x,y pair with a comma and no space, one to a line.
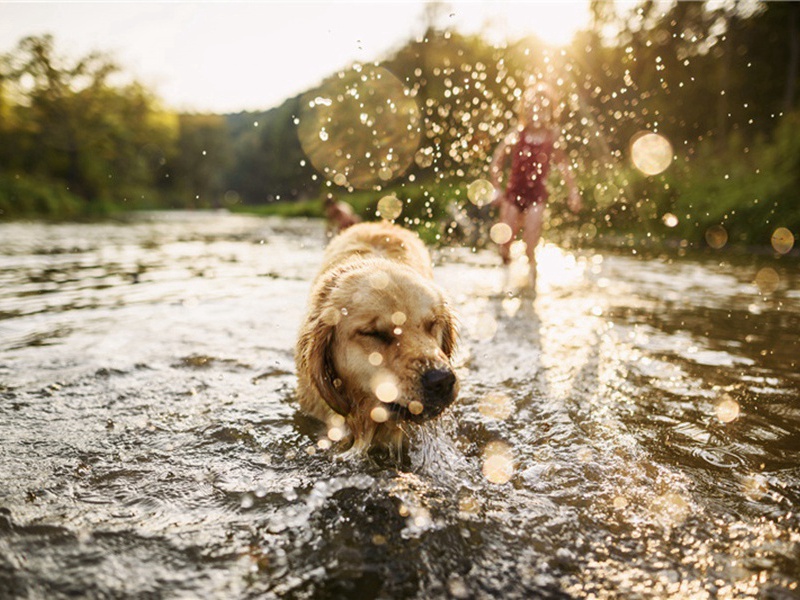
317,358
449,333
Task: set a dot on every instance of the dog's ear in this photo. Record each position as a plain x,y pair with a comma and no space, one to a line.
449,333
317,354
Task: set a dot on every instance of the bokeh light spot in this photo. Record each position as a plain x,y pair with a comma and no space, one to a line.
379,414
480,192
727,409
511,305
415,407
398,318
379,280
669,220
500,233
496,405
782,240
619,502
716,236
361,127
767,280
375,359
485,327
390,207
651,153
384,386
498,463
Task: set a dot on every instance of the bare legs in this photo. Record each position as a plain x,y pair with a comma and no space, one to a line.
530,222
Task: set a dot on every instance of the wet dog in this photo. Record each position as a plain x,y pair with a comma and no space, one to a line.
375,348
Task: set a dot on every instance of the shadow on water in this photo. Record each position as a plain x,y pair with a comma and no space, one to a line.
632,430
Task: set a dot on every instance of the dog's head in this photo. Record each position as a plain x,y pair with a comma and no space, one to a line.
379,345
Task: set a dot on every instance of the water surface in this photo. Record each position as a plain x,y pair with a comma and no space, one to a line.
633,430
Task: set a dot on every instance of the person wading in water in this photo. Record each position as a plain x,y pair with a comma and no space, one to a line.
531,150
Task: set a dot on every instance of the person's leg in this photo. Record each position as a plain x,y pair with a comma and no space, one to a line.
513,217
531,234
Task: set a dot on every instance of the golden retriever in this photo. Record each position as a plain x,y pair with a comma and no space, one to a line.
374,351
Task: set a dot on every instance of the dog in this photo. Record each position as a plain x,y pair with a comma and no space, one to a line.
374,352
339,215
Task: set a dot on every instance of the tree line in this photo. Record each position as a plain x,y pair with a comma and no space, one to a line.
718,80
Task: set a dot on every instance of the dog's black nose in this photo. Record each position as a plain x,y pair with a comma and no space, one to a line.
438,386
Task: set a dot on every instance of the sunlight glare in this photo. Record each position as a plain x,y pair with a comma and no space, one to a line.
554,23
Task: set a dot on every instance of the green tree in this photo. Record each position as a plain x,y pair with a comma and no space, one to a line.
202,156
70,123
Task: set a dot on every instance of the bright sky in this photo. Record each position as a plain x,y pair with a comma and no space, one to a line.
227,57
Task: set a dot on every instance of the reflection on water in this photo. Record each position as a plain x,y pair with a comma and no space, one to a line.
632,431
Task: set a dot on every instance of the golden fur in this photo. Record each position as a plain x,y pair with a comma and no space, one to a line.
374,350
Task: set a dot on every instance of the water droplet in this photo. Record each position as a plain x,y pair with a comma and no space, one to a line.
398,318
511,305
651,153
480,192
336,434
363,123
415,407
767,280
727,409
782,240
496,405
500,233
379,414
669,220
619,502
485,327
385,388
716,236
498,463
379,280
390,207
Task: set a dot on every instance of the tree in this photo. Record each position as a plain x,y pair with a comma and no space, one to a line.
70,123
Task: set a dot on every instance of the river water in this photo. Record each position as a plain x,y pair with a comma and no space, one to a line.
632,431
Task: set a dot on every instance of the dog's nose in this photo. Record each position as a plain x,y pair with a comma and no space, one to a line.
438,385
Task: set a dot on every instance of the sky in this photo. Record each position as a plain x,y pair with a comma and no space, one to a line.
233,56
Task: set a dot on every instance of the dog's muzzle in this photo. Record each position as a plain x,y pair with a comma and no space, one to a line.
438,391
438,387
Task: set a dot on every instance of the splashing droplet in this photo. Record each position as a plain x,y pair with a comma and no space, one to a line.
782,240
727,409
500,233
651,153
384,386
480,192
379,414
496,405
498,463
485,327
669,220
716,236
767,280
390,207
398,318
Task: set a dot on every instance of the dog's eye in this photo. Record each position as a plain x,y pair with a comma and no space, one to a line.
382,336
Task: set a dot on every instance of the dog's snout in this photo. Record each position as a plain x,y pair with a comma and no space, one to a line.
438,384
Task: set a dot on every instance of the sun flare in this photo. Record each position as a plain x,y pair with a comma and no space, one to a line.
554,23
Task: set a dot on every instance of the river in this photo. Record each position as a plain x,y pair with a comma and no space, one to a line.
632,431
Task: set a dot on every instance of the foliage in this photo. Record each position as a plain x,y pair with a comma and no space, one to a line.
28,197
67,122
718,80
